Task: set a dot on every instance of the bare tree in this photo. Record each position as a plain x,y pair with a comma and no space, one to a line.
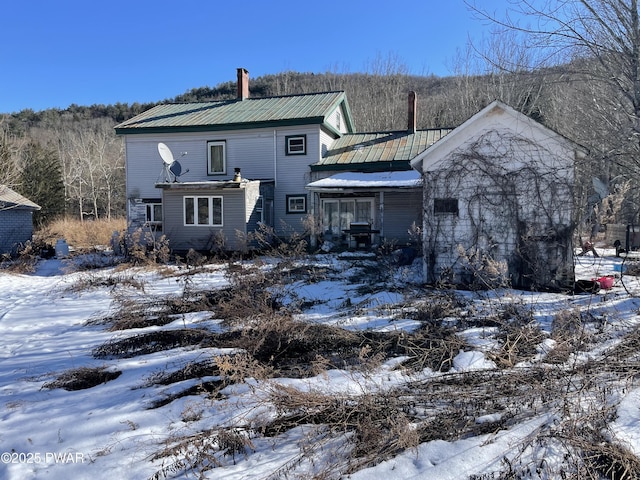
11,147
92,161
592,49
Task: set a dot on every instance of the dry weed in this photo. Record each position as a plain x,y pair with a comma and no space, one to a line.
81,235
203,451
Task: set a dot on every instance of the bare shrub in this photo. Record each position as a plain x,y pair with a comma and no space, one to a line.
24,262
379,425
568,329
82,378
203,451
190,370
433,346
632,269
146,248
519,342
287,246
151,342
485,272
519,334
438,306
236,368
115,281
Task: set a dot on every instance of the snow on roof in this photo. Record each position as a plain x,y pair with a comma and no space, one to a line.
404,179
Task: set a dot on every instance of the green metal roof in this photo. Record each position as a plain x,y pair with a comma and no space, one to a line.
379,150
303,109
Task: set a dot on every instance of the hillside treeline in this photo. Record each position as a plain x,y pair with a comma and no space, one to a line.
70,161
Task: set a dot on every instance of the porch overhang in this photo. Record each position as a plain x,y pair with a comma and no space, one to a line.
208,185
374,181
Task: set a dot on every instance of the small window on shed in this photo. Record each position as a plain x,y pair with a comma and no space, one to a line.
444,206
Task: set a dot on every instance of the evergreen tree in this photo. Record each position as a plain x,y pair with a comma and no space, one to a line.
42,182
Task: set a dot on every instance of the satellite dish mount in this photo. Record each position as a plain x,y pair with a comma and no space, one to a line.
171,168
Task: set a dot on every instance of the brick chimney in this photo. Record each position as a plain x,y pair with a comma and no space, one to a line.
243,84
412,112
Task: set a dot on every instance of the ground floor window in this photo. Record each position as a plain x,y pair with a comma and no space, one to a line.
203,211
296,204
153,214
339,213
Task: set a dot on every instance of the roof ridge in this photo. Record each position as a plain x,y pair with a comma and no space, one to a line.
234,99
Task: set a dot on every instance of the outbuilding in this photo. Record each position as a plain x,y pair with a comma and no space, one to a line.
498,203
16,220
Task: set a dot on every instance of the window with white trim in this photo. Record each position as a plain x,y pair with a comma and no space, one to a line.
153,215
260,208
296,144
216,157
296,204
205,211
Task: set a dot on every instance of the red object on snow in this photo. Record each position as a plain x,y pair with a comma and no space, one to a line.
606,282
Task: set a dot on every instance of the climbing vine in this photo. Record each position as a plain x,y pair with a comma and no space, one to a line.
514,205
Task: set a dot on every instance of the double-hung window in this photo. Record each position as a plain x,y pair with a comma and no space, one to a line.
205,211
216,157
296,145
296,204
153,214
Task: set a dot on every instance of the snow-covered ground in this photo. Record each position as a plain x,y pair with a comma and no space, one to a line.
109,431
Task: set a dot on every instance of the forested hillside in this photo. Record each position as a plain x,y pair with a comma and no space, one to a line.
70,160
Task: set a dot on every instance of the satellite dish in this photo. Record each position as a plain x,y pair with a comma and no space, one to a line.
171,167
175,168
165,153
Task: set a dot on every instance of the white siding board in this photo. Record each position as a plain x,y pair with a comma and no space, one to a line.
293,174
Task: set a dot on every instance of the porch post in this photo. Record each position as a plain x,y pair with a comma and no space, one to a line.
313,238
381,216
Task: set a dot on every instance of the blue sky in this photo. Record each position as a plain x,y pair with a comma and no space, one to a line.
57,53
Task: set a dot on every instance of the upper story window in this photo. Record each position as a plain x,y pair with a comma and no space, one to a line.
296,144
216,158
338,120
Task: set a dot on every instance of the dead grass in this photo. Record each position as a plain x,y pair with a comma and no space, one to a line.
81,235
269,342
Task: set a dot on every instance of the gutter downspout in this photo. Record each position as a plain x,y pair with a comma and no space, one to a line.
275,161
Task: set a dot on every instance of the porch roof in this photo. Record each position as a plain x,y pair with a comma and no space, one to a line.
378,151
209,185
368,181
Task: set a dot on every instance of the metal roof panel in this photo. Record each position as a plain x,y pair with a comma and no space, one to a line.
379,147
247,113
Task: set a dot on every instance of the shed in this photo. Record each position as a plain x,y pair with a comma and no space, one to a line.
498,202
16,220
